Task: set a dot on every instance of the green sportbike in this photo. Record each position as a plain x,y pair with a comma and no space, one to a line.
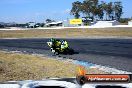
59,46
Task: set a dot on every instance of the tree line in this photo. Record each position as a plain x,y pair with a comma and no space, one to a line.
97,10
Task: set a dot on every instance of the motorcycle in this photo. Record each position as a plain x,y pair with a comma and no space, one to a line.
60,47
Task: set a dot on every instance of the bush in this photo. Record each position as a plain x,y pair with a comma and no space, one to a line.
124,20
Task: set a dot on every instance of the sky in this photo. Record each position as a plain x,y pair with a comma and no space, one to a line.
38,10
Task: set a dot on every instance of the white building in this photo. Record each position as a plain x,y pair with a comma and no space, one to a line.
130,23
105,23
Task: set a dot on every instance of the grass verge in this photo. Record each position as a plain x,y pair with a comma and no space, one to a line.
18,67
66,33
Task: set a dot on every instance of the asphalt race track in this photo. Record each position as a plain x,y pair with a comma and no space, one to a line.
115,53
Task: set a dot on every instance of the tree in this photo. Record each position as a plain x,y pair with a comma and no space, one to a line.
76,9
86,8
100,11
118,10
109,10
93,9
104,7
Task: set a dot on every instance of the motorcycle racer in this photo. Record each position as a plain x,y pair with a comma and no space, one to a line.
58,46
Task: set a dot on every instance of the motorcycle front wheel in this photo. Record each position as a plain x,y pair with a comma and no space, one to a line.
55,52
